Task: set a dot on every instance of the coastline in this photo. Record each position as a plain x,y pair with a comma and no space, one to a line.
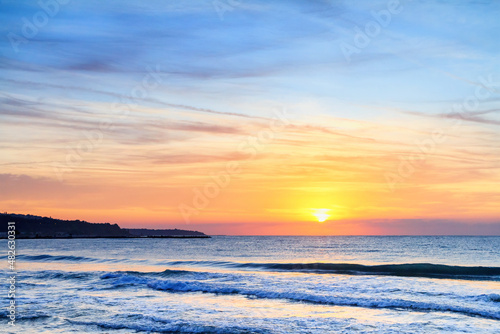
110,237
37,227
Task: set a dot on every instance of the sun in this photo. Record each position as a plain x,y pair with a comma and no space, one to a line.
321,214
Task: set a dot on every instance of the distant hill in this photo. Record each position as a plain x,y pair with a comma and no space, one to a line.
164,233
30,226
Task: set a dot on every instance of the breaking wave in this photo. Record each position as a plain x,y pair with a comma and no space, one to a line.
428,270
306,297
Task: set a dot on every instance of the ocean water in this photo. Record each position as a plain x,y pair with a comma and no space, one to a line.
258,285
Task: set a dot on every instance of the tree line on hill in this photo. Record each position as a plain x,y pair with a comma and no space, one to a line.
30,226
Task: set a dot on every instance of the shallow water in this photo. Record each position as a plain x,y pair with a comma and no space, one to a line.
259,285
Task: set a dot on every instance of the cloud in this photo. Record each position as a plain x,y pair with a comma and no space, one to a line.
468,116
36,86
25,187
197,158
474,117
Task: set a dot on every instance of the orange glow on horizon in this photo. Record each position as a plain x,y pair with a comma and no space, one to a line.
243,191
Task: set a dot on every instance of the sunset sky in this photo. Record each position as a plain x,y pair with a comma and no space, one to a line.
253,117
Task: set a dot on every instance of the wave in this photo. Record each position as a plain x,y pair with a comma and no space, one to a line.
165,273
157,325
491,298
48,275
69,258
428,270
226,289
61,275
49,258
416,269
35,316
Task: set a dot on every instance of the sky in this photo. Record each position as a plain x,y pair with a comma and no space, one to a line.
247,117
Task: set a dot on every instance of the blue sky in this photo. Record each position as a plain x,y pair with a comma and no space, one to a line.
286,51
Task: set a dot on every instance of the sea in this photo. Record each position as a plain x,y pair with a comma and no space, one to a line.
231,284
